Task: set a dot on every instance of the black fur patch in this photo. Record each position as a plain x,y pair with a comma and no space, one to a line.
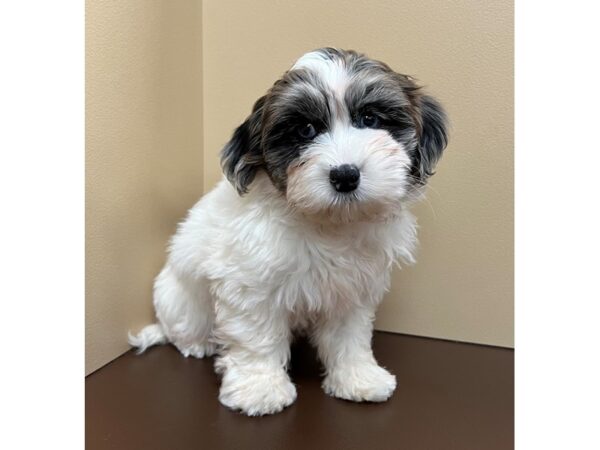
433,138
385,100
242,156
297,99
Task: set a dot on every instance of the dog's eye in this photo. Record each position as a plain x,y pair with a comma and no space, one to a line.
307,131
368,121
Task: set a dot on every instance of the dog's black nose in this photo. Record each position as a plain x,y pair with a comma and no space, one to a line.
345,178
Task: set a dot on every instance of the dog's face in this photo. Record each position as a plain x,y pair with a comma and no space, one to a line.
342,136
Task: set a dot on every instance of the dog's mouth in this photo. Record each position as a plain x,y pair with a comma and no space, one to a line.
346,197
350,207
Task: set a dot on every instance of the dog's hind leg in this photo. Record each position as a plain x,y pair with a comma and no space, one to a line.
185,313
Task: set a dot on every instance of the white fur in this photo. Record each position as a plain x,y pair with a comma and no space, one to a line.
383,165
245,272
332,72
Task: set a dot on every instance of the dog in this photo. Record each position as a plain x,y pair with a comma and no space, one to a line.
301,234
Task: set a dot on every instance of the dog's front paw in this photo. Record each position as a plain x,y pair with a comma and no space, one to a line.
257,394
197,350
368,382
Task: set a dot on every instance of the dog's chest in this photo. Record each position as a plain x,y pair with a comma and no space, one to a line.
331,271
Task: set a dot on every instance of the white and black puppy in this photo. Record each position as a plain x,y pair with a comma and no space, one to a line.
302,234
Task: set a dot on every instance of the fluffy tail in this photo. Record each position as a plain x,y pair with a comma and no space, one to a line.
147,337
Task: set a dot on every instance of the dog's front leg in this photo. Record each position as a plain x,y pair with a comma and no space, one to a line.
254,359
344,345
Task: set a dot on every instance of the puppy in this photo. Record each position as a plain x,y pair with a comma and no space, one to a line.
302,233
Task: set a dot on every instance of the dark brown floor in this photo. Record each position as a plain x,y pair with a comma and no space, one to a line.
449,396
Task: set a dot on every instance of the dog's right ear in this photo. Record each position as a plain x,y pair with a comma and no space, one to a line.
242,156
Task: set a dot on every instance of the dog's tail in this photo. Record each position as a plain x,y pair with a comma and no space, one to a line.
147,337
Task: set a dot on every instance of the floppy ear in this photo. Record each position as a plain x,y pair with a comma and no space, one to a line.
433,137
242,155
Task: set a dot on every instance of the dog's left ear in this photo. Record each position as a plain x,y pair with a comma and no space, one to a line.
433,136
242,156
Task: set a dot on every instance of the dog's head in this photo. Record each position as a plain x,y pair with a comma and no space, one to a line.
342,136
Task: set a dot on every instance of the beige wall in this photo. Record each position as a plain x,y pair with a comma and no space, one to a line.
462,285
143,155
